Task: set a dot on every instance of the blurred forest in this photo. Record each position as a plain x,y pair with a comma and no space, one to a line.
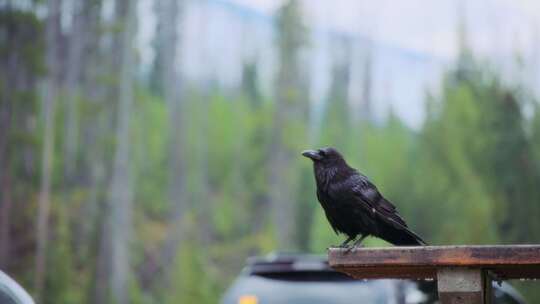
120,188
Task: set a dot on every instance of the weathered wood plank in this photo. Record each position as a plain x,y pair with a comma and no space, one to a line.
505,261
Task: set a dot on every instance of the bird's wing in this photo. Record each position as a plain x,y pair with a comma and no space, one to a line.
370,195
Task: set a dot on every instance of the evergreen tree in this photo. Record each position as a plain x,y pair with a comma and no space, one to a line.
288,123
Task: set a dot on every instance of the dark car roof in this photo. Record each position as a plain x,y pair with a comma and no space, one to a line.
286,262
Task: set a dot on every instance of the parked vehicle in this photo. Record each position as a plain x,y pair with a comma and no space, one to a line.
11,292
303,279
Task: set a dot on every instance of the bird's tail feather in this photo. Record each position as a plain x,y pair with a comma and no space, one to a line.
402,236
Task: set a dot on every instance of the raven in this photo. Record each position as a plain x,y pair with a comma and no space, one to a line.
353,205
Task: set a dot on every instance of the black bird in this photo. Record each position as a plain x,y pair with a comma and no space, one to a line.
353,205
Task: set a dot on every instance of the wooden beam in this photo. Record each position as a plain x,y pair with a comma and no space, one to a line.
504,261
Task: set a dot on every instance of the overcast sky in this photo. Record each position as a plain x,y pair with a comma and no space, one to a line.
497,28
426,25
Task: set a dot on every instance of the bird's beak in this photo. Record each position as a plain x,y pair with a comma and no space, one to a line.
313,154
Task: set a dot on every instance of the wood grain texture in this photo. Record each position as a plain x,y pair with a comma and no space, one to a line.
505,261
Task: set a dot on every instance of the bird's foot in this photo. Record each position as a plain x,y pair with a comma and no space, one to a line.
353,247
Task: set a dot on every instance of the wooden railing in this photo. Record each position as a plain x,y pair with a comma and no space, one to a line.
464,274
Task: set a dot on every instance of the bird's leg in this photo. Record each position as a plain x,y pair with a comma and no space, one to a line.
357,243
347,241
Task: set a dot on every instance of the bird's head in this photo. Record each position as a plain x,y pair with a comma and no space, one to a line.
326,156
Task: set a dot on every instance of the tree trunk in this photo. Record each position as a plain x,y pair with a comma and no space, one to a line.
120,199
5,187
98,61
168,12
49,101
5,182
281,199
76,46
290,108
367,87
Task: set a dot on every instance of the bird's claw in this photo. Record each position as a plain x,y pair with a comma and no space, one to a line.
353,247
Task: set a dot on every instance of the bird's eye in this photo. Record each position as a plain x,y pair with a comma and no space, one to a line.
322,152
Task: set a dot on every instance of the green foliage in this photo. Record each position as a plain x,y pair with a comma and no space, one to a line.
21,63
455,142
193,279
150,146
22,31
249,85
63,283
